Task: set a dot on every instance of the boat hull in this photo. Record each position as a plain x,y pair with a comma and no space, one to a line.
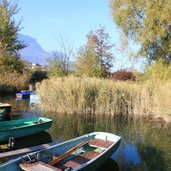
61,148
94,165
22,128
25,94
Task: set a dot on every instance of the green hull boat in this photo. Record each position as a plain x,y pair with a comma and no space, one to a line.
84,153
23,127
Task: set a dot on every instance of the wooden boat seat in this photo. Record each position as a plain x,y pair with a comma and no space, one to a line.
100,143
77,160
38,166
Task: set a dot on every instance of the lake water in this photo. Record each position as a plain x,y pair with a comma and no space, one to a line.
145,146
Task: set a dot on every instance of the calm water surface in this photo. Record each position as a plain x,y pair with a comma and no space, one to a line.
146,143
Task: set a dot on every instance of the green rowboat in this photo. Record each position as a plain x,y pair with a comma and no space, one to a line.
84,153
23,127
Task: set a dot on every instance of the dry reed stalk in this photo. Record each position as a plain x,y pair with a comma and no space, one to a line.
99,96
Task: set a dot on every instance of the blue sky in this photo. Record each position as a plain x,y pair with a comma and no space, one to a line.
47,20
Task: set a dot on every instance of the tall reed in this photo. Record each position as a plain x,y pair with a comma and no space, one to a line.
10,82
100,96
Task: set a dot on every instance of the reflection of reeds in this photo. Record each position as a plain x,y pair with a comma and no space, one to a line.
150,138
84,95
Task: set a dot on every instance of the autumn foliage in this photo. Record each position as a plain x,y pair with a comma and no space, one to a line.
123,75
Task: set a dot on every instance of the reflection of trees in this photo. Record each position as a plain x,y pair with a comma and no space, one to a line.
152,158
71,125
151,139
109,165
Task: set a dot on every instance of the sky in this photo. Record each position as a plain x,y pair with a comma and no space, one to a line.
48,20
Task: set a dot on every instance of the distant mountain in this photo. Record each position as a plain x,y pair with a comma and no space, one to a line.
33,53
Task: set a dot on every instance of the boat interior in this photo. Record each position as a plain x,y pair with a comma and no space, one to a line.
89,150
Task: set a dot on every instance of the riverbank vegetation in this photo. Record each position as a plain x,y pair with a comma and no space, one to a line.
12,82
95,89
89,84
104,96
15,73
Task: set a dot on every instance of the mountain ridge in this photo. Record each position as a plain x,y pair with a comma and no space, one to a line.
33,53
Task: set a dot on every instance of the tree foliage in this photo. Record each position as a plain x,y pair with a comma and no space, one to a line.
87,63
146,22
56,67
38,76
96,58
157,72
124,75
9,43
100,42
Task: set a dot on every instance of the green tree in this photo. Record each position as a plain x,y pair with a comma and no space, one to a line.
87,63
38,76
9,43
55,67
99,40
148,23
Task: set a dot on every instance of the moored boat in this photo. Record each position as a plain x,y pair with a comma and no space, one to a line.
34,99
85,153
23,127
24,94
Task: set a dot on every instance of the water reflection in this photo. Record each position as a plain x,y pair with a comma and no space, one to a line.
145,141
20,108
109,165
32,140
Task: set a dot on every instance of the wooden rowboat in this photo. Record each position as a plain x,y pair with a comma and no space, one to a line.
23,127
85,153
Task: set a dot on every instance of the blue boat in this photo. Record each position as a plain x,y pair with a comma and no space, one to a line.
24,94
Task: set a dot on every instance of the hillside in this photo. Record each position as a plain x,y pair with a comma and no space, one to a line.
33,53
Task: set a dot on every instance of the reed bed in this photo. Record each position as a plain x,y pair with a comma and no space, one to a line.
103,96
10,82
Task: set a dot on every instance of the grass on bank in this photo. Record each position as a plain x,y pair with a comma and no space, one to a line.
99,96
10,82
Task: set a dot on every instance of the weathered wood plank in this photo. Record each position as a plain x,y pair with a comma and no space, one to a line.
38,166
100,143
78,160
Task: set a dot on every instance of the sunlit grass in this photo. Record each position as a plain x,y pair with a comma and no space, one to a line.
10,82
103,96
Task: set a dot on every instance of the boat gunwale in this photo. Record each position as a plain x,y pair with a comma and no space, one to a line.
98,156
93,134
102,153
45,121
80,137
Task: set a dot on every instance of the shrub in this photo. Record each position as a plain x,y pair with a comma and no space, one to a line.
13,82
38,76
123,75
158,71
